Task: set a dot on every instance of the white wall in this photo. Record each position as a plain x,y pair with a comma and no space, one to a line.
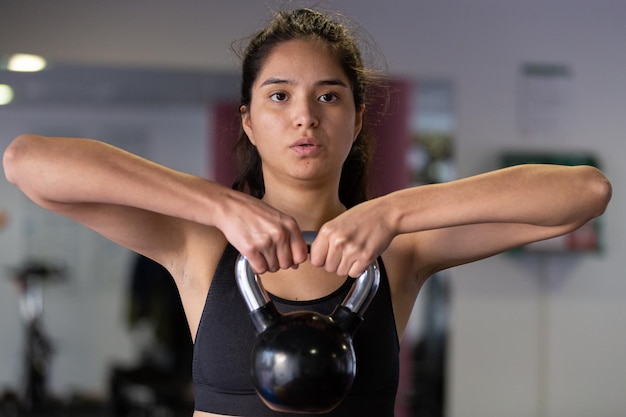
84,315
535,338
540,337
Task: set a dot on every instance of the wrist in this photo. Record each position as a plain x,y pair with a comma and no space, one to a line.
392,213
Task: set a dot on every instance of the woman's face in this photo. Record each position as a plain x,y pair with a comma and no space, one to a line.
302,118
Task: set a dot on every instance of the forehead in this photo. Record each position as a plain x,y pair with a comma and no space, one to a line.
301,60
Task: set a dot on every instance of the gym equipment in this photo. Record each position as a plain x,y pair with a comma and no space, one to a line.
303,361
38,350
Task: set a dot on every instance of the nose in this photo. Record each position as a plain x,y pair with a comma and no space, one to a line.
305,114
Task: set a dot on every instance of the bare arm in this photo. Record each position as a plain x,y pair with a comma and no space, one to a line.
469,219
141,205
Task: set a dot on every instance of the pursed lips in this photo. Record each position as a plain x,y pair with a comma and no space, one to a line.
306,147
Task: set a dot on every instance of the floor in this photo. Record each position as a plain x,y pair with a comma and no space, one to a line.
11,408
92,412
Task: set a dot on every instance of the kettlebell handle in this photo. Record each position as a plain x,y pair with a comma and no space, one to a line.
356,301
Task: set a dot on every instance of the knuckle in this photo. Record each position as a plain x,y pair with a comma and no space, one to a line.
263,241
325,232
248,249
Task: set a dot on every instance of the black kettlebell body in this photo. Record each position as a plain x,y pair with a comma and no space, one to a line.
303,361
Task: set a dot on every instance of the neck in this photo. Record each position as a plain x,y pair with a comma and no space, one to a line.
310,208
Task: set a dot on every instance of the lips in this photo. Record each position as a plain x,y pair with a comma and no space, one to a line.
306,147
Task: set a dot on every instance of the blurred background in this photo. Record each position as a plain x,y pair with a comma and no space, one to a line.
88,328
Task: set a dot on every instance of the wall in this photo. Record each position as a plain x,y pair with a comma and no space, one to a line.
535,338
538,338
84,315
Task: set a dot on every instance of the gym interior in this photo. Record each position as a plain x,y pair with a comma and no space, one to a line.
538,331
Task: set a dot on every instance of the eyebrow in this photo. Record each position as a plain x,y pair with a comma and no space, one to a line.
332,81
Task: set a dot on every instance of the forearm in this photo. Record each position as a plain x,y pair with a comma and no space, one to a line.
55,172
540,195
89,181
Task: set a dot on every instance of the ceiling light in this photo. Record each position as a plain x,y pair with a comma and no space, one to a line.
6,94
26,63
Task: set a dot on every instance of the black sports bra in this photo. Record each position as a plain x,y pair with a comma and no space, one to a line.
221,363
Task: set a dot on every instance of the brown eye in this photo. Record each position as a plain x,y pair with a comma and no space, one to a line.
328,97
279,97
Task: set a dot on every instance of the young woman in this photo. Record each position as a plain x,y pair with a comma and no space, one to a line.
305,154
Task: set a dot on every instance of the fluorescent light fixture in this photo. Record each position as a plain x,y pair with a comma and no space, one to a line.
6,94
26,63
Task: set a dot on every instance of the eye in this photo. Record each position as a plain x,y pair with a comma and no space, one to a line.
328,97
278,97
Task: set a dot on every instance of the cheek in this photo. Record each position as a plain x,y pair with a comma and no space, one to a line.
349,136
261,117
265,122
256,126
266,133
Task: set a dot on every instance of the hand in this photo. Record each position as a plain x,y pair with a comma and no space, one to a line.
349,243
268,238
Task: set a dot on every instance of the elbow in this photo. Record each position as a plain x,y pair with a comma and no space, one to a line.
599,190
603,191
22,161
11,157
15,156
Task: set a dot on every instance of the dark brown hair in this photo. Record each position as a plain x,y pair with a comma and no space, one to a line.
307,24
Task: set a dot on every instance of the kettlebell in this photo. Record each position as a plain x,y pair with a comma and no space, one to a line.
303,361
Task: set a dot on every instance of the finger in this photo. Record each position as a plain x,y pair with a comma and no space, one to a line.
319,251
261,253
333,261
274,242
344,267
338,256
355,259
290,247
271,258
357,269
299,250
257,262
284,254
